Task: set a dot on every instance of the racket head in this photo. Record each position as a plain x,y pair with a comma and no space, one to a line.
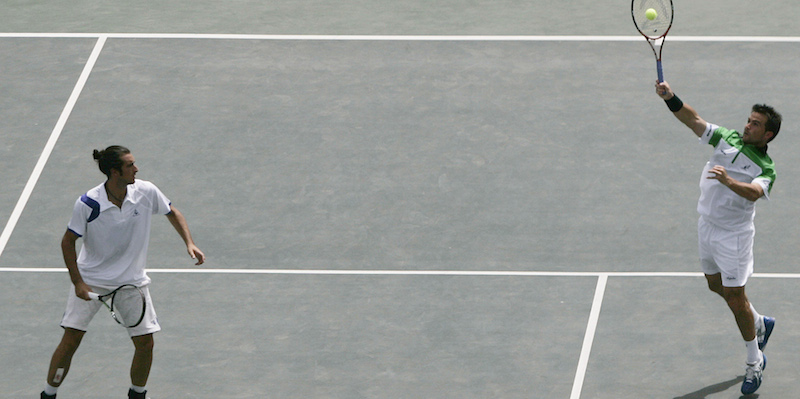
128,305
658,27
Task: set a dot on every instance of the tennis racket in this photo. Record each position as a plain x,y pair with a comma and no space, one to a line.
126,303
654,30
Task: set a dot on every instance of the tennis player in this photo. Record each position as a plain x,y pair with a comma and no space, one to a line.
114,221
738,174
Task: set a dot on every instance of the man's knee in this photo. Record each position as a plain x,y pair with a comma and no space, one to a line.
715,283
71,340
144,342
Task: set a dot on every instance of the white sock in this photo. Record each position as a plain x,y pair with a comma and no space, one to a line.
50,390
753,354
757,318
137,389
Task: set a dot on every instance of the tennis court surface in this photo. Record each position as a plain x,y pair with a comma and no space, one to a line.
397,200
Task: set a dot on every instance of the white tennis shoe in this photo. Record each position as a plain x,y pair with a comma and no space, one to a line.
753,376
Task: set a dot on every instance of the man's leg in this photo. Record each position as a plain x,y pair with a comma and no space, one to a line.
62,357
764,324
743,313
738,303
740,306
756,361
715,283
142,359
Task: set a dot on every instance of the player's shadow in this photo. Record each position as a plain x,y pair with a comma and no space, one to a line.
716,388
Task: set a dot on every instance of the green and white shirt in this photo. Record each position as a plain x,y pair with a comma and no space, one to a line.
718,204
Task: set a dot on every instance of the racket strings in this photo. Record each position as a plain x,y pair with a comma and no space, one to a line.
127,307
656,27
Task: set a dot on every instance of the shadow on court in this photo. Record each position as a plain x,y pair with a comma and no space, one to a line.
715,388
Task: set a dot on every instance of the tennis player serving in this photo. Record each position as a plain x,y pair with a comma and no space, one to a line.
114,221
738,174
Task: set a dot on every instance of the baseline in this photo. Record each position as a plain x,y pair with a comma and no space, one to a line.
487,38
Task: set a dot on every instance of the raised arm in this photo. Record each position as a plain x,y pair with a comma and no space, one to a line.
684,112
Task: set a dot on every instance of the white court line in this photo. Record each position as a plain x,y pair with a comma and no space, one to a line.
353,272
485,38
588,338
51,143
594,313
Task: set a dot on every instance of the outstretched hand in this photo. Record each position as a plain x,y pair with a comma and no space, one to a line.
196,254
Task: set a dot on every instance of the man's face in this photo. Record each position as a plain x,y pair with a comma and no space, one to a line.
129,169
755,131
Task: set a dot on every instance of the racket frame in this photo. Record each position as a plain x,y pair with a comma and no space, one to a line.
106,298
657,41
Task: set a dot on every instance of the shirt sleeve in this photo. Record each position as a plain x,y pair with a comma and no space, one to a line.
765,184
161,204
711,135
80,217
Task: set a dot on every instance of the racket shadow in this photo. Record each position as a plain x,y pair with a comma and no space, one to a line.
716,388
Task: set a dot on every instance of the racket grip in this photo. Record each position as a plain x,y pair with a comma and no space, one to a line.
94,295
660,71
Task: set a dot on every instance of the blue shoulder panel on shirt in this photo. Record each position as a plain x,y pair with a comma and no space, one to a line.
91,204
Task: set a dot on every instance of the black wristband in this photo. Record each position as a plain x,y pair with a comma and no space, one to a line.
674,104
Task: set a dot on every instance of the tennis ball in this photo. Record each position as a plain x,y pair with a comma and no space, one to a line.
651,14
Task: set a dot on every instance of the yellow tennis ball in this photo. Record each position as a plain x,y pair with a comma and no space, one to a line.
651,14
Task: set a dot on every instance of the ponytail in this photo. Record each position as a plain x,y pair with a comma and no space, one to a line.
109,158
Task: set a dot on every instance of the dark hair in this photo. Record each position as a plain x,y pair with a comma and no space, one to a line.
109,158
773,118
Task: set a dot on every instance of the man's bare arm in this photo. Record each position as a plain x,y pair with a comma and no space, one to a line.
686,114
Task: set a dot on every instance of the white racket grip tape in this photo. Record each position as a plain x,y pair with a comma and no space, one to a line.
94,295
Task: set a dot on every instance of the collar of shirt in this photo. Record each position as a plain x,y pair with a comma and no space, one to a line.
101,196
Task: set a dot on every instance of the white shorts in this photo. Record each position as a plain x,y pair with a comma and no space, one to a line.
80,312
725,252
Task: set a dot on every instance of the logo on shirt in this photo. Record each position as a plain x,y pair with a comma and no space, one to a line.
135,212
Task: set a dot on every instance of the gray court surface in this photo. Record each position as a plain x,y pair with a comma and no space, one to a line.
406,218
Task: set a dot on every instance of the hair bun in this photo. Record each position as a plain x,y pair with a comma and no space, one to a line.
96,154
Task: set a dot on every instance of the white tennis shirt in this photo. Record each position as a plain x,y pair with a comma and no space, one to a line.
718,204
115,240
